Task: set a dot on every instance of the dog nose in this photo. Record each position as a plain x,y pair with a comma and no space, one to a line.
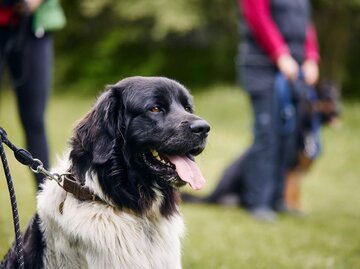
200,127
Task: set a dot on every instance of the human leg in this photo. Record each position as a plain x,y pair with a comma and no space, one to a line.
262,160
32,94
261,164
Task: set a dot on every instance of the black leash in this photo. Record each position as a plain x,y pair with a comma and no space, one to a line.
65,181
18,237
24,157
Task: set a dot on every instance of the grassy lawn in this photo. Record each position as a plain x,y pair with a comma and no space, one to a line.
221,238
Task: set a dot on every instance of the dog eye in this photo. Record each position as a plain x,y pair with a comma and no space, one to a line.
156,109
189,109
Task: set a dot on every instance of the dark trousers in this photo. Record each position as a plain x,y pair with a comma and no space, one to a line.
29,60
264,165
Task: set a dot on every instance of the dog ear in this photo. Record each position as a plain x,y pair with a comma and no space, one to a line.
97,132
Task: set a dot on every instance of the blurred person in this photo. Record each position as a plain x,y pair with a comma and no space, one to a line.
278,36
28,58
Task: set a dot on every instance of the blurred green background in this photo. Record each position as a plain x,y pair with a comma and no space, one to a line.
195,42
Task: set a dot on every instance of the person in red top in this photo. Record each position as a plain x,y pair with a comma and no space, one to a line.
277,36
29,60
257,14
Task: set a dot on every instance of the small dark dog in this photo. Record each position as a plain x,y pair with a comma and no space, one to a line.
328,110
232,185
127,159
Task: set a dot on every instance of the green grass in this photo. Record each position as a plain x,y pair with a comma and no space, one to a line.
221,238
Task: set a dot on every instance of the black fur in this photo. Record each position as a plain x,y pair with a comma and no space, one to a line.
113,137
33,248
113,141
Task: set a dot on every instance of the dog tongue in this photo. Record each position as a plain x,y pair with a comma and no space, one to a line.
188,171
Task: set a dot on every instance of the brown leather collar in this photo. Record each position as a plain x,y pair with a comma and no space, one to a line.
82,193
71,185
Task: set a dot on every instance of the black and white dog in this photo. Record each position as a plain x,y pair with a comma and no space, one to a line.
132,151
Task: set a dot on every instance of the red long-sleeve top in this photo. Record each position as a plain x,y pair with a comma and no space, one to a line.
8,17
258,17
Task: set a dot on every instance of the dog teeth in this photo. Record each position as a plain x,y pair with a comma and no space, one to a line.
154,153
158,157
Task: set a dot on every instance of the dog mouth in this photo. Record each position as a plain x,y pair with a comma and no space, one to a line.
177,170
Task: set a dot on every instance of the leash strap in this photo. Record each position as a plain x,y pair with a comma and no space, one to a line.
65,181
18,238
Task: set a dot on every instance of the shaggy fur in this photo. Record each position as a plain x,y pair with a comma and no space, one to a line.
138,224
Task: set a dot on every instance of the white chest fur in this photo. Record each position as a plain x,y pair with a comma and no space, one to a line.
96,235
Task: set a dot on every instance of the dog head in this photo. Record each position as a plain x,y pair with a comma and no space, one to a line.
140,138
328,104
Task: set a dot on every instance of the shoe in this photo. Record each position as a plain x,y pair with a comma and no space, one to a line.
263,214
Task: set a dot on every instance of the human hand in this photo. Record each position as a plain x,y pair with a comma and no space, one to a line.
33,5
310,70
288,66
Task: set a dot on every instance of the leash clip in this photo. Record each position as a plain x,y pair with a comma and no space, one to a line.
52,176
